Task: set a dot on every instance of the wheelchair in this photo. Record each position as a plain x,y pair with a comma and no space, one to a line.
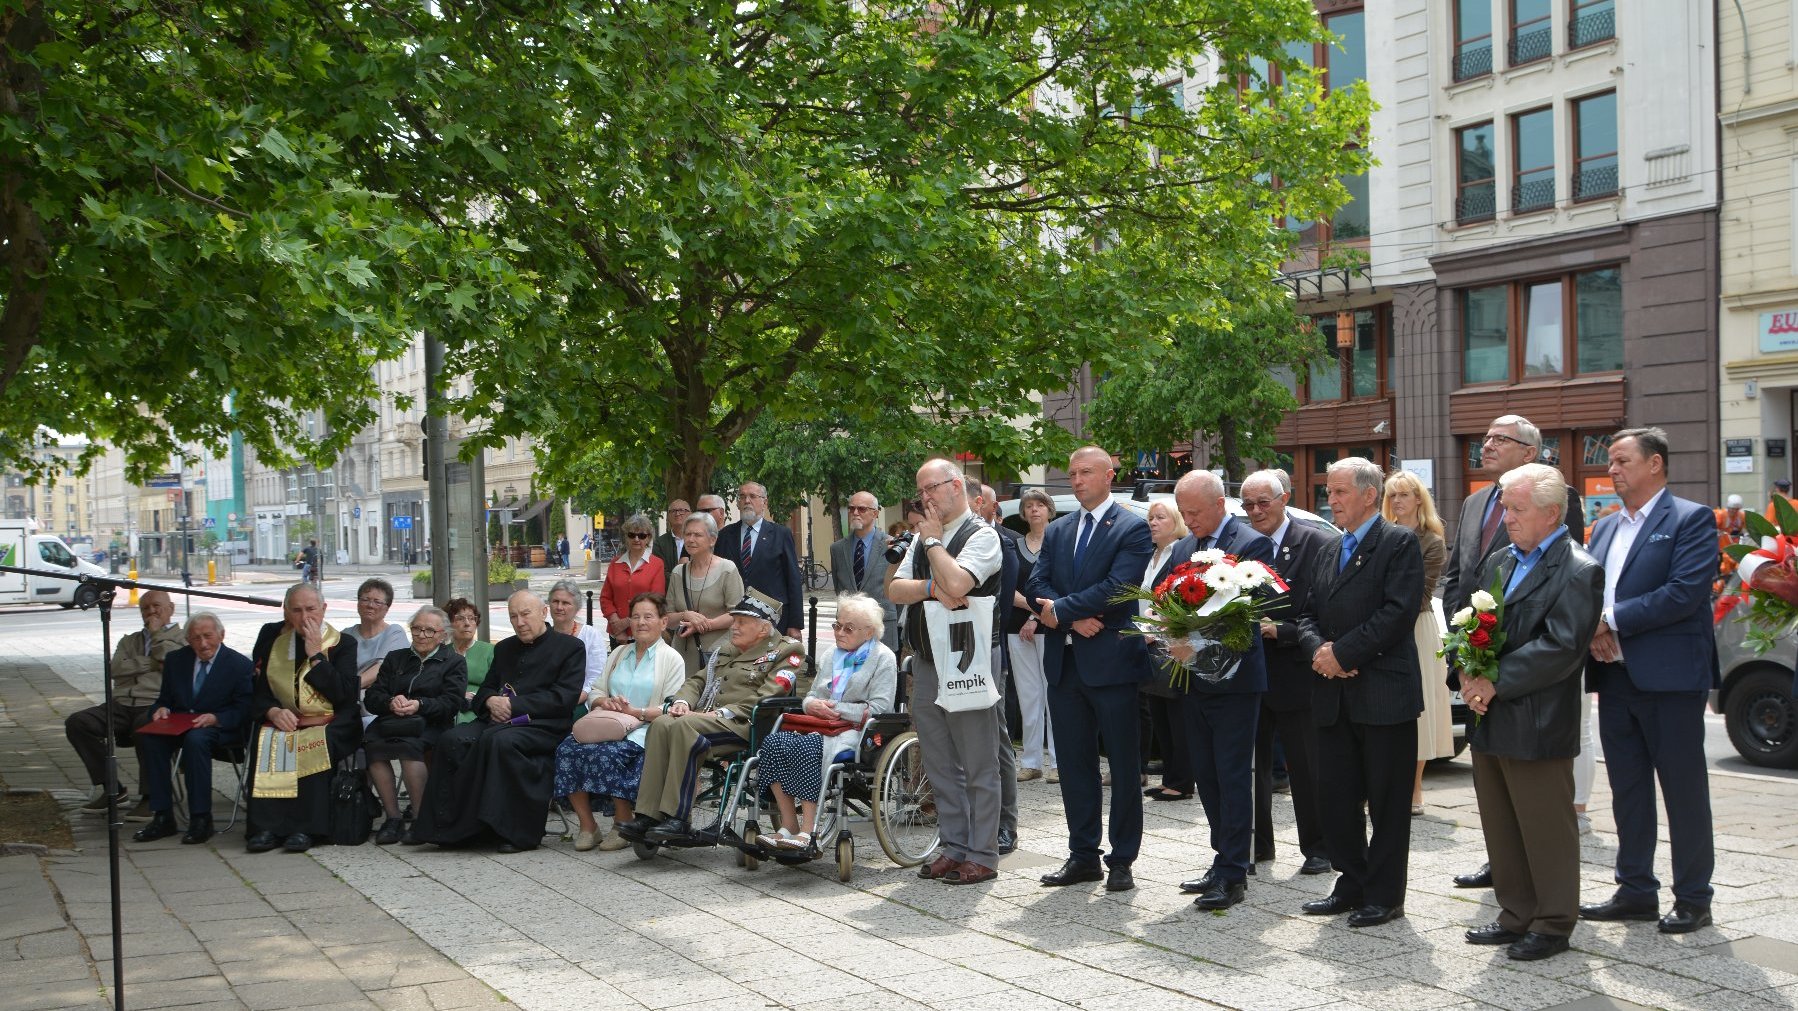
882,781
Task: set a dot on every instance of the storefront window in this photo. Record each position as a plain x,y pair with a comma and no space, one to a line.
1485,328
1364,366
1598,311
1542,329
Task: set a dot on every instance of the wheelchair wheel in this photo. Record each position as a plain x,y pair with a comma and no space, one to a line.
904,807
845,857
644,851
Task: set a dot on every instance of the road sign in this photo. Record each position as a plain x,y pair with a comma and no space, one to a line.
164,481
210,522
231,517
402,523
356,513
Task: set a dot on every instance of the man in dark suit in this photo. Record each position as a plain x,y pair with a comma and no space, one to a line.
1220,716
668,546
1525,743
1358,628
858,562
766,556
1654,662
210,680
1093,669
1286,705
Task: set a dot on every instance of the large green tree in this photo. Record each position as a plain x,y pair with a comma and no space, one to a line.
813,209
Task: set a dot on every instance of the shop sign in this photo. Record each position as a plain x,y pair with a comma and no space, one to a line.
1779,331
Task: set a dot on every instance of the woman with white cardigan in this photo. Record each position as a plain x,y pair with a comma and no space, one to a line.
856,680
604,755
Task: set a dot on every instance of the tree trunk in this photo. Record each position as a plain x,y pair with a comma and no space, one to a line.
1226,439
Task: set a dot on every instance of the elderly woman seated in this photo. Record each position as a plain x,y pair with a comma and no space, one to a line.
603,757
856,680
416,696
711,714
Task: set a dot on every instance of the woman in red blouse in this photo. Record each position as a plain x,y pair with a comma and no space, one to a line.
636,571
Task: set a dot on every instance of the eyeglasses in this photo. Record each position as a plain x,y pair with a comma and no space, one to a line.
751,494
426,633
837,626
376,601
925,489
1256,505
1494,438
679,512
638,537
863,509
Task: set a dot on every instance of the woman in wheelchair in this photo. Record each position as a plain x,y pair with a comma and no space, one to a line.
711,716
856,680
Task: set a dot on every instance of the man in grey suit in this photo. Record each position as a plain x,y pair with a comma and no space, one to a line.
1524,746
858,563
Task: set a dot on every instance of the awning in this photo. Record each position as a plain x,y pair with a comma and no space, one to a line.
531,512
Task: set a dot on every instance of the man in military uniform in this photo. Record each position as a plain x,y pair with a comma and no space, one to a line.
711,715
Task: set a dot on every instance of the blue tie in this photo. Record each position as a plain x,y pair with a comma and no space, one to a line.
200,675
1086,533
1348,551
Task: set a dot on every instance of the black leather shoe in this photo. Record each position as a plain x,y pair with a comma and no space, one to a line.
1493,933
1222,896
506,847
262,842
1481,878
199,829
411,838
1008,841
1315,865
1685,918
1119,879
1330,905
390,832
1251,870
672,830
1072,872
1264,857
1373,916
637,827
1619,908
1199,885
299,842
160,826
1534,946
1155,793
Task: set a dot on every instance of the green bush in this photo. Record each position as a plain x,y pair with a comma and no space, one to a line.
421,578
501,573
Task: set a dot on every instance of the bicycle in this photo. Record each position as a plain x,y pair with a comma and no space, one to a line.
817,577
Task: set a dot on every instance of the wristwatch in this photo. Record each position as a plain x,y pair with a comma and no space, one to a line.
932,542
1609,619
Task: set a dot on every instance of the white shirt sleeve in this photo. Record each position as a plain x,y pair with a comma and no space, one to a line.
596,655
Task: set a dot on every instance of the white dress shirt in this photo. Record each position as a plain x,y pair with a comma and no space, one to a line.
1629,525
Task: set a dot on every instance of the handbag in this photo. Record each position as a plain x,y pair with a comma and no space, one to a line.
602,725
397,726
806,723
353,804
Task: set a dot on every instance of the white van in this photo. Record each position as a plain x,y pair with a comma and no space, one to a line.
22,546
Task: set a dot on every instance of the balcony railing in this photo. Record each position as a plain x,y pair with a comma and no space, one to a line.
1477,202
1594,181
1473,59
1534,42
1590,27
1533,195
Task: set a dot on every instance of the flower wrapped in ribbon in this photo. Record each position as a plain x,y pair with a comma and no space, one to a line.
1214,603
1768,567
1475,634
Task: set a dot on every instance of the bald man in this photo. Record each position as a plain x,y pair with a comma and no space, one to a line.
136,681
491,779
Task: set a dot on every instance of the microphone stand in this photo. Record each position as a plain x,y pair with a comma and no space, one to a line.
108,587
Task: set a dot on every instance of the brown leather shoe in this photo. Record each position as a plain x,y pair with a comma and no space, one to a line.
940,867
970,873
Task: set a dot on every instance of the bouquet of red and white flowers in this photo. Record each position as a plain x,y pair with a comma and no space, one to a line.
1214,603
1770,574
1474,635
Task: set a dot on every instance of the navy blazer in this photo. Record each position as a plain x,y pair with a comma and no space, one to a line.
1236,537
1116,555
773,569
1663,598
226,693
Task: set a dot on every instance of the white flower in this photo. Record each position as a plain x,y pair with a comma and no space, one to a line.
1464,618
1482,601
1252,575
1218,577
1209,556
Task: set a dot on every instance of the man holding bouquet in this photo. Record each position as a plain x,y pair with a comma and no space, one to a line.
1521,672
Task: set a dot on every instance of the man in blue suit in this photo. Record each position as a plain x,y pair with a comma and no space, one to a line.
1093,669
1653,664
766,556
1220,716
212,682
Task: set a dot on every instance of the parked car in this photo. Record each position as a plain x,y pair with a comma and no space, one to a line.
1756,698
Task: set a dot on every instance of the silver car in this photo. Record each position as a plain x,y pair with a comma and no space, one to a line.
1756,697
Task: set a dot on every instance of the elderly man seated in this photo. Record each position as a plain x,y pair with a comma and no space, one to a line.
711,715
205,700
493,777
136,678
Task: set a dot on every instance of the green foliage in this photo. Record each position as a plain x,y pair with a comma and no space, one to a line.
1214,379
501,573
302,529
422,578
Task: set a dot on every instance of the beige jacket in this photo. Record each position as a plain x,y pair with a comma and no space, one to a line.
137,663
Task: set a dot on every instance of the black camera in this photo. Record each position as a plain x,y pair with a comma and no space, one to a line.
895,552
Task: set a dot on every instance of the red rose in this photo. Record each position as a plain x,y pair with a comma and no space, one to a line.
1488,621
1479,638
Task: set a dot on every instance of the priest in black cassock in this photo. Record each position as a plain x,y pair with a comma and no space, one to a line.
492,777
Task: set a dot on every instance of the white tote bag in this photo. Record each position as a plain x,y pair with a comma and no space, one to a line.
961,643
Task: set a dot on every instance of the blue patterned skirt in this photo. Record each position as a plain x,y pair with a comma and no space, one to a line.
795,761
606,770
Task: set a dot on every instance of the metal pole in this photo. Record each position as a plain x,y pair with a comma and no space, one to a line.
589,607
436,440
477,539
113,814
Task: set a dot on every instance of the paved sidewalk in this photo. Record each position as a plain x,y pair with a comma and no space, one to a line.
555,929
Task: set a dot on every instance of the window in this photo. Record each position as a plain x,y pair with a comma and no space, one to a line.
1595,147
1484,330
54,553
1574,318
1590,22
1351,220
1475,192
1532,161
1353,372
1532,37
1473,39
1345,62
